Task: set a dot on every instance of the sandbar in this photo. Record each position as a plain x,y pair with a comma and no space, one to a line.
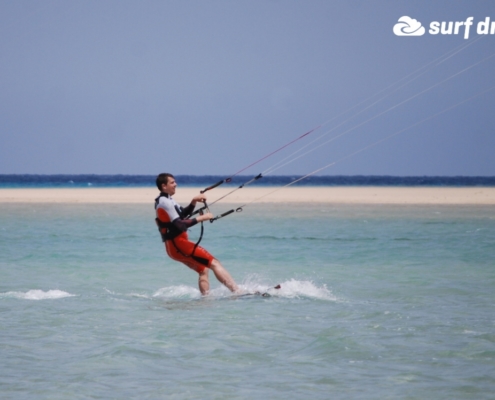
302,194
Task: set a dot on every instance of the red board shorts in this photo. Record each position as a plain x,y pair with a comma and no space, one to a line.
180,249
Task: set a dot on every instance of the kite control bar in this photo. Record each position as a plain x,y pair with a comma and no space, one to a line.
239,209
215,185
222,215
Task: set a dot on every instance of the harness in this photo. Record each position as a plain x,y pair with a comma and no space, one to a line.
169,231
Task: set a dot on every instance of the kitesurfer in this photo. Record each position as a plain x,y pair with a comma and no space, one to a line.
173,222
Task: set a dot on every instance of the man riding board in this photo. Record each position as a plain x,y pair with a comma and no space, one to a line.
173,222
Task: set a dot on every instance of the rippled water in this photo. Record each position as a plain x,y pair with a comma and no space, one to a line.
376,302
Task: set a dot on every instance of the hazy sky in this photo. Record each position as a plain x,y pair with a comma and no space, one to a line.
207,87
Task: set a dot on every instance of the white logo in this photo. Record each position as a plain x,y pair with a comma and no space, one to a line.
408,27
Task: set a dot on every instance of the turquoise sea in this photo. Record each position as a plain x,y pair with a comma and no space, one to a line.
377,302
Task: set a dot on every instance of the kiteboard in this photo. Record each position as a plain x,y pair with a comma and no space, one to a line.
256,294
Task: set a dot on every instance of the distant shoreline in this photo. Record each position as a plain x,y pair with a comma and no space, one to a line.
148,181
306,195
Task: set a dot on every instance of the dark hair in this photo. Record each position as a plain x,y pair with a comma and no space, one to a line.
162,179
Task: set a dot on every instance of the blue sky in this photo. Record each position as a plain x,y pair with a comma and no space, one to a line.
207,87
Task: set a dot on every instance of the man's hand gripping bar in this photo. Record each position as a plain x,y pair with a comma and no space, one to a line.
201,210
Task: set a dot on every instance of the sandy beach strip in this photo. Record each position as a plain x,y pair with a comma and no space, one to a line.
311,194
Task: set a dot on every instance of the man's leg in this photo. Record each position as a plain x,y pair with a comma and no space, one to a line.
203,282
223,276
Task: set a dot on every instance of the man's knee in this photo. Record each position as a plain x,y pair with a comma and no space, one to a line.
215,264
203,274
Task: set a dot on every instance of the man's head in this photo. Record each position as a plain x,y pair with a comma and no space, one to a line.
166,183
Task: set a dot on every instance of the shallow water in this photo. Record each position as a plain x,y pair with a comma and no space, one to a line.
376,302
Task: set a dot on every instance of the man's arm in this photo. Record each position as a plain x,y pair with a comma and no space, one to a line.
185,212
184,224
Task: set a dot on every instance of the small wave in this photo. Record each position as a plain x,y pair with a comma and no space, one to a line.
300,238
139,295
38,294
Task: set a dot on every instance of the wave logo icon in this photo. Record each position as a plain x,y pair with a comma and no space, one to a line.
408,26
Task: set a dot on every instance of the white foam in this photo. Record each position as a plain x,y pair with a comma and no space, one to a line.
292,288
289,289
174,292
108,291
296,289
139,295
38,294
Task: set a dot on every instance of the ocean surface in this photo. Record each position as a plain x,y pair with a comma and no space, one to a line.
376,302
29,180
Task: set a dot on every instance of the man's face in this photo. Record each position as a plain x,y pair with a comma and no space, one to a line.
169,188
